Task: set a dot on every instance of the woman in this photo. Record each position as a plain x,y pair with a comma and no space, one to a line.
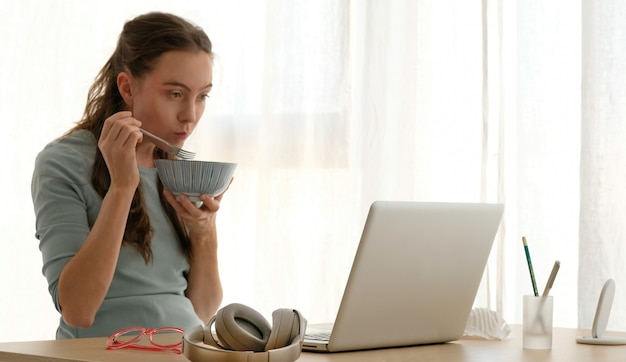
119,250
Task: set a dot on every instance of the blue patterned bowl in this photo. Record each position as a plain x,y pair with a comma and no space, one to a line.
194,178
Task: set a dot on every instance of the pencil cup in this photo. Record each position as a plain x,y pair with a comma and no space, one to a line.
537,322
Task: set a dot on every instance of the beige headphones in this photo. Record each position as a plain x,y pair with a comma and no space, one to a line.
244,335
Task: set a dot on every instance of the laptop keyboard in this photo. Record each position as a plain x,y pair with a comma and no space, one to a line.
322,337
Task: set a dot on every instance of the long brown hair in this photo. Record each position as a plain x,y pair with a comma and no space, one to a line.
142,41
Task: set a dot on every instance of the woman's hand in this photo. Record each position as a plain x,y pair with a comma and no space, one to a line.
118,143
200,221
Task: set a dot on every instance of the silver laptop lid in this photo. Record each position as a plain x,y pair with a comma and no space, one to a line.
415,274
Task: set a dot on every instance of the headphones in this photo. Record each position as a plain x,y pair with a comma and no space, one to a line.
244,335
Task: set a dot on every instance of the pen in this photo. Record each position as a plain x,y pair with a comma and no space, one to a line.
530,267
555,269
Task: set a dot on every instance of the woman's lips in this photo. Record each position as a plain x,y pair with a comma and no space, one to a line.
181,135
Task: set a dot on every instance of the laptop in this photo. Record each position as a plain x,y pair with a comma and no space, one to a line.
414,277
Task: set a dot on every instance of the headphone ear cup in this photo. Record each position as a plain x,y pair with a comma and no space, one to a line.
241,328
285,327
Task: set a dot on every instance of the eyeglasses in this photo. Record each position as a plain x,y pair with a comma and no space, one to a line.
160,339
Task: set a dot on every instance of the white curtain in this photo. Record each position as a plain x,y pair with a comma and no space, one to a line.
329,105
603,151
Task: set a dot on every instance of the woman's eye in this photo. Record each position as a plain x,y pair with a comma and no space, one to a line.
203,97
176,94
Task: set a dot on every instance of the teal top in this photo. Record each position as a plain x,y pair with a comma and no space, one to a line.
66,205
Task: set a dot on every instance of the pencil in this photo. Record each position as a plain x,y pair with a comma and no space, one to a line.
530,267
555,269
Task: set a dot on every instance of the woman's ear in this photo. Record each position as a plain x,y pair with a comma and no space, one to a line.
124,86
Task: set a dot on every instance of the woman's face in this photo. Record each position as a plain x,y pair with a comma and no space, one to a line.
170,99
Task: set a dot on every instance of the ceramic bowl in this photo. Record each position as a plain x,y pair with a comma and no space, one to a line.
194,178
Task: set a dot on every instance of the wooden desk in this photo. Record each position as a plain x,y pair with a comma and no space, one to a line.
564,348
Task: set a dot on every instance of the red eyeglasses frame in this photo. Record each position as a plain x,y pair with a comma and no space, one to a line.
114,343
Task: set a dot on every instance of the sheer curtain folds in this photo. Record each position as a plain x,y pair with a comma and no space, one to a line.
602,241
329,105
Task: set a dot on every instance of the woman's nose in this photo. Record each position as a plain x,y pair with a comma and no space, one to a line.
188,112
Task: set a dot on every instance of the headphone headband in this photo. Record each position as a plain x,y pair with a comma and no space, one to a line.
197,348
